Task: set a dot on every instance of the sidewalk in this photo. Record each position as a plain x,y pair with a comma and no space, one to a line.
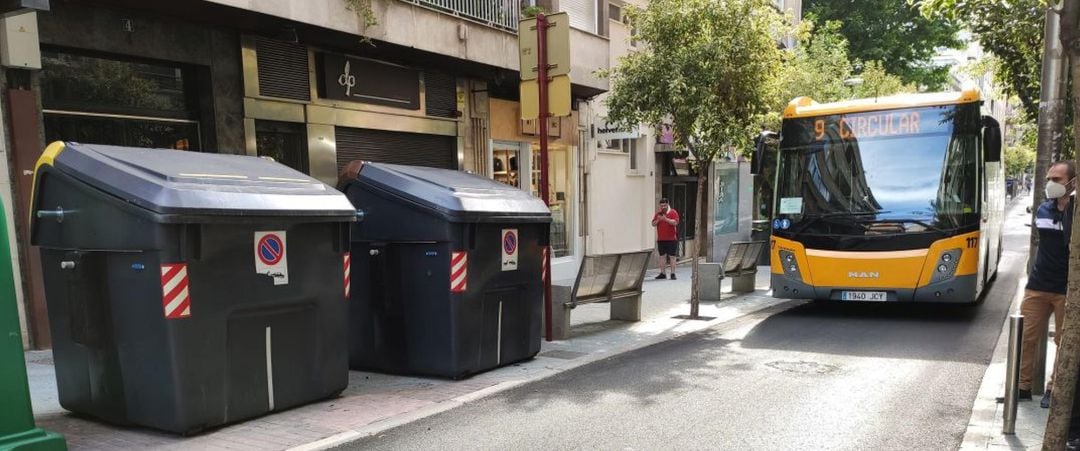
987,415
375,402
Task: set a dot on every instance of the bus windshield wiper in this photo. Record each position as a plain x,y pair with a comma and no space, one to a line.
811,218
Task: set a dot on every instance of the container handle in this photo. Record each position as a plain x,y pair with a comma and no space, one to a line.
58,214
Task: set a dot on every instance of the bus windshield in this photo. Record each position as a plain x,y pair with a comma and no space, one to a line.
880,172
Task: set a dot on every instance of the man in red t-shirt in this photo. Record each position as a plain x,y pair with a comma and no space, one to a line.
667,238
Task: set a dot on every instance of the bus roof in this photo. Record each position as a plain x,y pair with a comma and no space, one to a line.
807,107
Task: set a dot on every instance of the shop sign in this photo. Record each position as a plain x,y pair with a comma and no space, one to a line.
367,81
607,131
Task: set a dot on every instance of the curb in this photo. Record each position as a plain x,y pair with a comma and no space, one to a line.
986,411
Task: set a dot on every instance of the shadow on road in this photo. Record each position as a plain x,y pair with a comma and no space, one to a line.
643,377
960,333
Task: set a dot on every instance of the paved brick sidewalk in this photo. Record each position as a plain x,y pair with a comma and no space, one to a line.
987,416
375,402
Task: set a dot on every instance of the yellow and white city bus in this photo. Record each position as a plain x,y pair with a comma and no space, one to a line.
887,199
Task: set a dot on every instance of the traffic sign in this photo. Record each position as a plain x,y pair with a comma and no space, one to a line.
558,46
558,97
271,256
509,249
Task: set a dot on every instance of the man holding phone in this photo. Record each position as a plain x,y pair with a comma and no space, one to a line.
667,237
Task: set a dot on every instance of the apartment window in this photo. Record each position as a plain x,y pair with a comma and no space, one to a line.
583,14
614,12
628,146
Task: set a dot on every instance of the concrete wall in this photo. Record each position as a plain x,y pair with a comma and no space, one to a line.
620,202
588,53
425,29
620,205
98,29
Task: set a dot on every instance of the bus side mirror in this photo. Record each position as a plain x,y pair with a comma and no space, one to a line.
761,145
991,139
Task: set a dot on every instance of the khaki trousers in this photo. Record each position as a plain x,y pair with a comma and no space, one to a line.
1036,308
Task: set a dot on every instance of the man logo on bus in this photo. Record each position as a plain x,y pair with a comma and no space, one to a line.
863,275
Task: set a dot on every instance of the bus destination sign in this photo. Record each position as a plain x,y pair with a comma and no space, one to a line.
881,124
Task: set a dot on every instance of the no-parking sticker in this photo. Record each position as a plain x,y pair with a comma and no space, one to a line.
509,249
270,256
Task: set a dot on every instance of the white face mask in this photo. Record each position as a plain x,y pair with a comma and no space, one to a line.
1055,190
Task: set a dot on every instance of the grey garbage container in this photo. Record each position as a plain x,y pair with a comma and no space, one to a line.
450,268
189,290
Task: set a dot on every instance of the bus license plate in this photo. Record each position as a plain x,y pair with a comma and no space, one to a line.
877,296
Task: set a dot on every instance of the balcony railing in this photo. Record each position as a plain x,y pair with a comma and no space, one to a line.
502,14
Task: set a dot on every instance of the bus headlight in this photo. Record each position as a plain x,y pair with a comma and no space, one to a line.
946,265
790,265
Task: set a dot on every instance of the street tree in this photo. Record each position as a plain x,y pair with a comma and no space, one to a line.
820,67
1019,159
1068,355
817,66
892,32
708,69
1012,30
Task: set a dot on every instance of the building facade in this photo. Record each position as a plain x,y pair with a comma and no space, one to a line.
433,83
314,86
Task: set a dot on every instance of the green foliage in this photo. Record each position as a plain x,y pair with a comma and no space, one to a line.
708,67
363,10
1019,159
532,11
892,32
818,66
1010,29
1013,31
877,82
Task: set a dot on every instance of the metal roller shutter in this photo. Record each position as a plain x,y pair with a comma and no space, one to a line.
414,149
283,69
441,94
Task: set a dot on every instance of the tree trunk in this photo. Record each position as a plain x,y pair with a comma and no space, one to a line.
699,238
1068,353
1051,112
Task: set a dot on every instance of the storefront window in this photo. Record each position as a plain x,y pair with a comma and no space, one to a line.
505,163
183,135
726,213
560,191
285,142
88,83
98,100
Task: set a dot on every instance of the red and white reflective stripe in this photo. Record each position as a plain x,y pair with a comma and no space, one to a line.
459,272
544,264
346,259
175,298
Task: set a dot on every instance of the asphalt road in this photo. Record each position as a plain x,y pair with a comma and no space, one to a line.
801,376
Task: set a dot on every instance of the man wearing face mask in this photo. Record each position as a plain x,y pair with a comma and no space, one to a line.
1048,278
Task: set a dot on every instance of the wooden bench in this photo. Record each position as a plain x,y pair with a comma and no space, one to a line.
612,278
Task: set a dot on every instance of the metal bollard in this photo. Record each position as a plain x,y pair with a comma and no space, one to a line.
1038,371
1012,375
